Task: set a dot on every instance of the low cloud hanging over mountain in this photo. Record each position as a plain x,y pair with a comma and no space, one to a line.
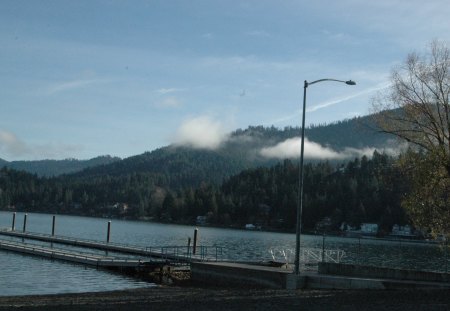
200,133
290,149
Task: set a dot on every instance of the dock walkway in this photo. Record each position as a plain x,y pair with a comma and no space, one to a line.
73,256
172,254
139,258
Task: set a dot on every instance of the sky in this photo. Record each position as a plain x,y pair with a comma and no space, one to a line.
84,78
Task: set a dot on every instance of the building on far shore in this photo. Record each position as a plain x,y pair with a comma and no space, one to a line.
405,232
366,229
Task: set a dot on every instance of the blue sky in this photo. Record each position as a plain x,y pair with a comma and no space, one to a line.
86,78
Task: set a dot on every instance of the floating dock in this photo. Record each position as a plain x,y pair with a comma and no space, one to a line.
98,261
226,273
172,254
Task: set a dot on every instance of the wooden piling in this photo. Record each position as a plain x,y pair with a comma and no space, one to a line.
25,222
194,246
323,247
53,225
189,246
13,226
108,234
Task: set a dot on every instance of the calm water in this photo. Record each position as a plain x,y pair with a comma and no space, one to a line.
28,275
20,274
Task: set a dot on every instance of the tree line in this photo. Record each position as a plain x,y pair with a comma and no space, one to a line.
362,190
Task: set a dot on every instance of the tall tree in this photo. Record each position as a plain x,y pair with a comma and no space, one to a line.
416,109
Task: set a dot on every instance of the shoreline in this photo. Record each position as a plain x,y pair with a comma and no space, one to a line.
198,297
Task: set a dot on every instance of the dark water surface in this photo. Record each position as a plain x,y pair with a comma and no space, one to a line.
24,275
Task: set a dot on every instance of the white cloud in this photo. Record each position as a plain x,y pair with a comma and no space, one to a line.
169,102
11,145
200,132
54,151
368,151
290,148
165,91
71,85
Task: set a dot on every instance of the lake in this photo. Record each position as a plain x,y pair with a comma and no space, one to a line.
24,275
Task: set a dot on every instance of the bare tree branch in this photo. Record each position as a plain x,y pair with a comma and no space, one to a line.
416,109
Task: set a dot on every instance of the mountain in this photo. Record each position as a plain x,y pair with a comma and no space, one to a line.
178,183
181,166
3,162
359,133
50,168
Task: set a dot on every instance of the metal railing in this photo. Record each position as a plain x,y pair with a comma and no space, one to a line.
420,255
187,253
168,253
309,257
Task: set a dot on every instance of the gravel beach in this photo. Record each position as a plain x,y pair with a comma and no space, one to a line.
200,298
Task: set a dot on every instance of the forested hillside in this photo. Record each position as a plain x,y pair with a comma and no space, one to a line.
232,185
240,151
178,166
358,132
57,167
362,190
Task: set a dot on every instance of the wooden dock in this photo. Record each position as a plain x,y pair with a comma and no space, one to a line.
172,254
76,257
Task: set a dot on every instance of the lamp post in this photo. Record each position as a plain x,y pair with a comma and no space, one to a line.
300,182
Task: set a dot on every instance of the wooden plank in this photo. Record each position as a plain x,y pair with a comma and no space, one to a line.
71,256
99,245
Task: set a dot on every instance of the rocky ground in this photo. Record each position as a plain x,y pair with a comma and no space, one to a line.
183,294
200,298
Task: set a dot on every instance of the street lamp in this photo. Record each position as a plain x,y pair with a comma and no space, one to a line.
300,182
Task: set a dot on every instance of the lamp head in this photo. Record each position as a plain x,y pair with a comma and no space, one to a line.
350,82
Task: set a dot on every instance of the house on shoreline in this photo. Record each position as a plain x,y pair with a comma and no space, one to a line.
366,229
